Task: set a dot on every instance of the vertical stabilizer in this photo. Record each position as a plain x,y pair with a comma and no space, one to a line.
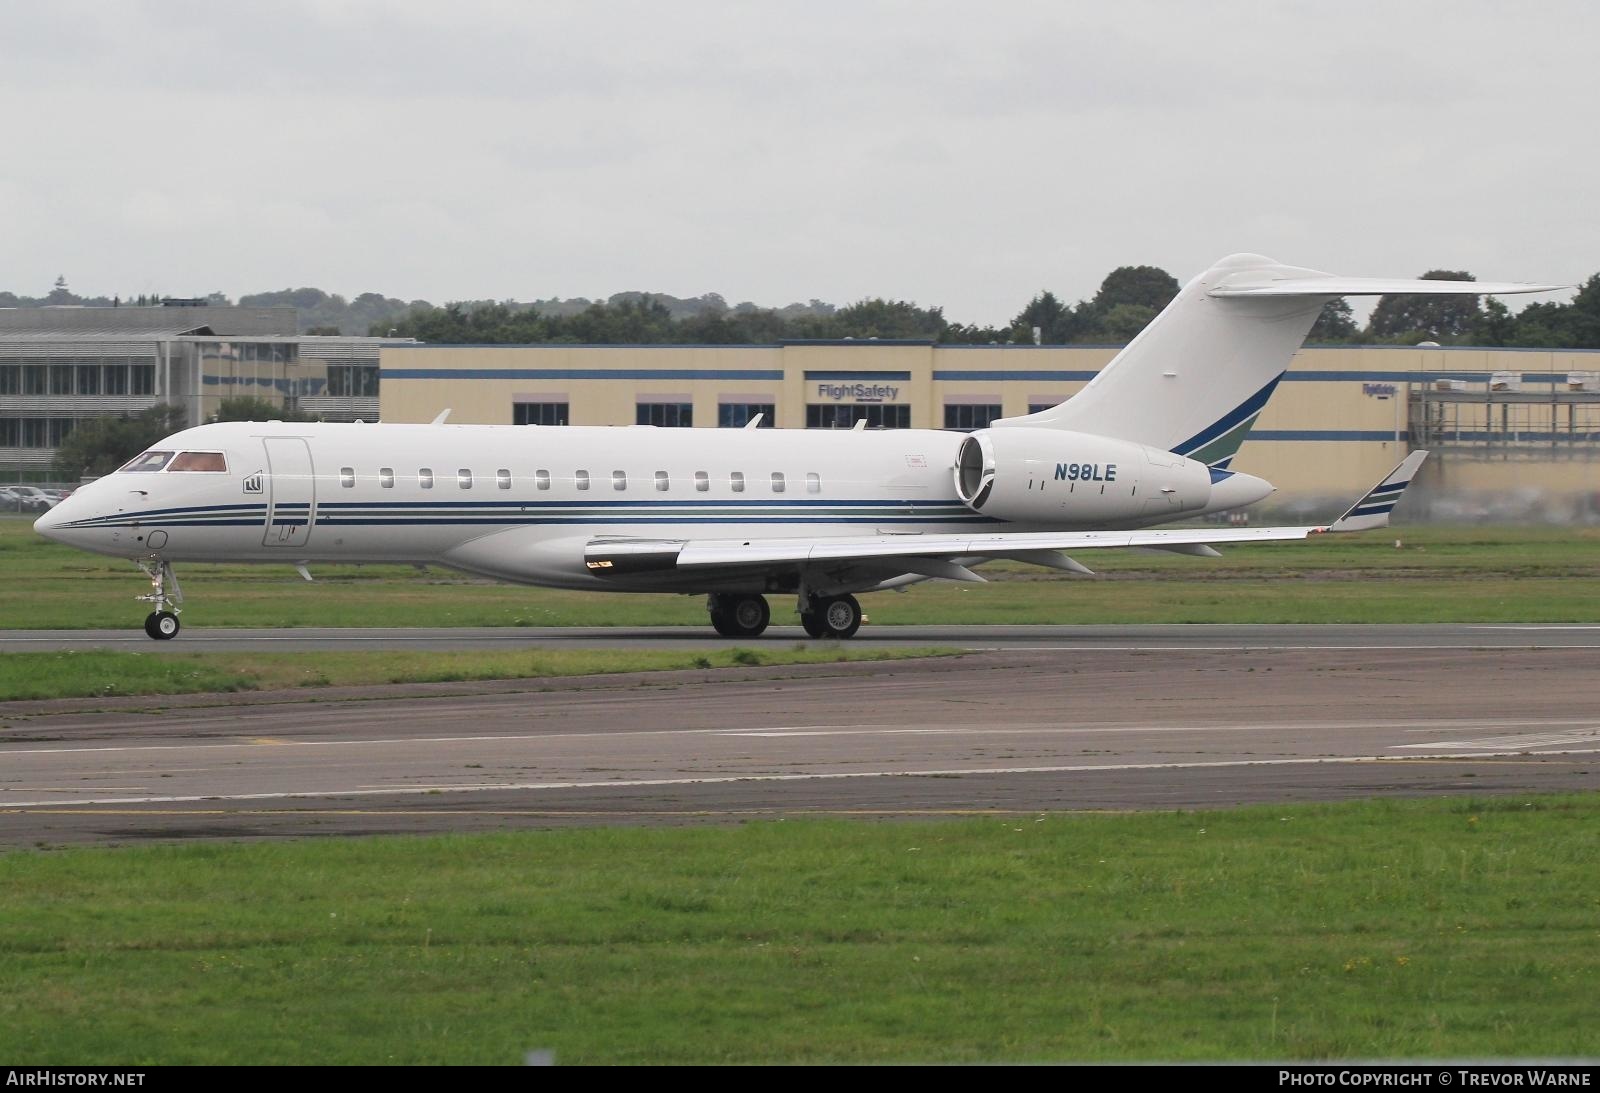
1195,379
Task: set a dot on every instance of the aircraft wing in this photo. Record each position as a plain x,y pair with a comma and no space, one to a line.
944,555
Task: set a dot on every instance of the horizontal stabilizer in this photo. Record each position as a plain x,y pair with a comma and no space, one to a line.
1373,510
1371,286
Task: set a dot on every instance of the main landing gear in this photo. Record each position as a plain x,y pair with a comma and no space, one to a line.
162,623
831,616
743,616
738,616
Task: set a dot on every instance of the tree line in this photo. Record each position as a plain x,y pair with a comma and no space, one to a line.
1128,298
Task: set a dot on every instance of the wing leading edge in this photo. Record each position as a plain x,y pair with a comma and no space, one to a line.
629,556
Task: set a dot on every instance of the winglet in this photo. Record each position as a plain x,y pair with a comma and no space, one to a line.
1372,511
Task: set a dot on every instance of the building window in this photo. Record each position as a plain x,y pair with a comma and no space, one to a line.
464,478
813,482
736,481
59,430
115,379
541,480
581,479
502,478
968,418
425,478
669,415
777,481
35,379
347,477
539,413
702,481
61,379
10,431
386,477
663,483
1041,407
876,415
35,432
142,379
10,381
736,415
352,380
619,480
88,379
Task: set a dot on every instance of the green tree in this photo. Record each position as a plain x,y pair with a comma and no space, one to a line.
1408,319
101,445
1057,322
1335,324
1495,325
1129,297
1124,321
1146,286
252,408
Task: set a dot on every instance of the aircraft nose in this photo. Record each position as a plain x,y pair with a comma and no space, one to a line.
50,522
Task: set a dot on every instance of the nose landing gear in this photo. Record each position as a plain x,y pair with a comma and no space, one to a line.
162,623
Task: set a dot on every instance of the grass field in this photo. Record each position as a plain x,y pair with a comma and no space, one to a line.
96,673
1440,575
1392,929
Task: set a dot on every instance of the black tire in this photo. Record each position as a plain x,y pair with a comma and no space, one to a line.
740,616
840,616
812,623
162,625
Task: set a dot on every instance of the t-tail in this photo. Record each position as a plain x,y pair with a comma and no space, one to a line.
1195,380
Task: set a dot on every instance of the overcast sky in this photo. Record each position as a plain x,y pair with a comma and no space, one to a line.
963,155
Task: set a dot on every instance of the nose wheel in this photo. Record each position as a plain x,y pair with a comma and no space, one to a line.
162,623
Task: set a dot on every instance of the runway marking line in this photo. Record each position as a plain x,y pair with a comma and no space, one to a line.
653,783
1407,725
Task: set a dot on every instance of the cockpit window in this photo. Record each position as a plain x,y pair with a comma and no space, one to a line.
147,461
199,461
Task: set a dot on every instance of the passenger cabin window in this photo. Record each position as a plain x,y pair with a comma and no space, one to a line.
147,461
347,476
581,480
425,478
464,478
386,477
541,479
502,478
619,480
663,483
813,482
777,481
213,462
702,481
736,481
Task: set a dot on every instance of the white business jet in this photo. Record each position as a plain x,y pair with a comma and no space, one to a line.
739,514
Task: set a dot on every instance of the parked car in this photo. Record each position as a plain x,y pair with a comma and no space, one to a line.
28,499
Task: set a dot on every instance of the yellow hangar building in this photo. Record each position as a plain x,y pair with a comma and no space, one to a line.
1516,432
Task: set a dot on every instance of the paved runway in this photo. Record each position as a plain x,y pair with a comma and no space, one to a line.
1126,719
1118,638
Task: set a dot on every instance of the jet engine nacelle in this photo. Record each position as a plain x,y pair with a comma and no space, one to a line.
1052,476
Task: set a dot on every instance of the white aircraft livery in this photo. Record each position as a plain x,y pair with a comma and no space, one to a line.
736,515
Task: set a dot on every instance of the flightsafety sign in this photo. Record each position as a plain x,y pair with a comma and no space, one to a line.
857,392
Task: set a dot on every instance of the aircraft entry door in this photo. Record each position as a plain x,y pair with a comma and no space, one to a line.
292,497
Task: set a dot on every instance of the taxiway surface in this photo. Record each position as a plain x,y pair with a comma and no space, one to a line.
1133,718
